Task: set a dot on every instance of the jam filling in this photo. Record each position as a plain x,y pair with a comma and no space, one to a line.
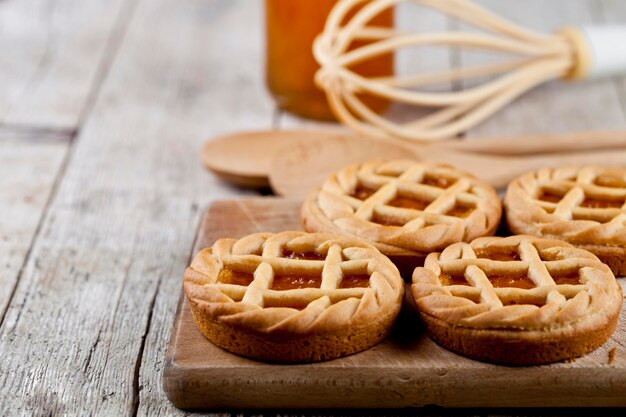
228,276
460,211
594,203
355,281
289,304
307,256
502,255
568,279
550,197
410,203
294,281
453,280
438,182
501,281
362,193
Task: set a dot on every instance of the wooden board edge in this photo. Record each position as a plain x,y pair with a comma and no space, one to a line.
386,388
171,370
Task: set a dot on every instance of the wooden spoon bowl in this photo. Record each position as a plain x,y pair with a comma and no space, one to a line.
297,167
244,158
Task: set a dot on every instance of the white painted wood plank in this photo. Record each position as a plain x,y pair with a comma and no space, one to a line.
614,12
51,52
29,167
557,106
96,301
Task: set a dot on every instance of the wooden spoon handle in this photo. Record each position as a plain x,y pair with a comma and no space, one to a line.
500,170
541,144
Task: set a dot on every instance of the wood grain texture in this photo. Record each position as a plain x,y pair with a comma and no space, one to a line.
53,52
29,169
92,313
406,370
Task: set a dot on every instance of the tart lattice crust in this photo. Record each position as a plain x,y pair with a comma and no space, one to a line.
517,300
293,296
583,206
403,207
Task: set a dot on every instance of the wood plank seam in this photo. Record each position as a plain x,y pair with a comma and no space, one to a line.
136,393
36,133
44,214
113,44
53,50
110,324
140,354
92,350
111,49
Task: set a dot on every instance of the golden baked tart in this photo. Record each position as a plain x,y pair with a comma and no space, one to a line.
583,206
405,208
293,296
518,300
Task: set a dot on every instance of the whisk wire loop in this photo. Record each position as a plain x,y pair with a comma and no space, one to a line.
539,57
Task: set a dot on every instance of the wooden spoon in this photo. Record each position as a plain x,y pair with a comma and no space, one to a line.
303,166
296,168
245,158
541,144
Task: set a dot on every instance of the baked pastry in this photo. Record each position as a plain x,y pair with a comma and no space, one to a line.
406,209
518,300
583,206
293,296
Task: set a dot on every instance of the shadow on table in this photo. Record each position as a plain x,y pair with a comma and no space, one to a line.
432,411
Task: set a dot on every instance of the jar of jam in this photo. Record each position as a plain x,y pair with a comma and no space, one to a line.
291,27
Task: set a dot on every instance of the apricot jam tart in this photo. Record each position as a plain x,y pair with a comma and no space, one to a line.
293,296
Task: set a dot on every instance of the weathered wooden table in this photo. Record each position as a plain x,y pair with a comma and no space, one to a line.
103,108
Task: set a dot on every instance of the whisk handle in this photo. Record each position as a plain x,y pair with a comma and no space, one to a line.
604,49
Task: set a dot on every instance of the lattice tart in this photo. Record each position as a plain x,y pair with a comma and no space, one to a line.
517,300
583,206
407,209
293,296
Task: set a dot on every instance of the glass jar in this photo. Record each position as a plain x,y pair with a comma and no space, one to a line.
291,27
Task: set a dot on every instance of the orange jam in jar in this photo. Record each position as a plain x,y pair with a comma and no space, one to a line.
291,28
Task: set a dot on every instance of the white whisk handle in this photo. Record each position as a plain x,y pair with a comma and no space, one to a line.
605,50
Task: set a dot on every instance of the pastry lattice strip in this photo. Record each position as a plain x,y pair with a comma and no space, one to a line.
574,192
410,183
479,303
478,270
270,263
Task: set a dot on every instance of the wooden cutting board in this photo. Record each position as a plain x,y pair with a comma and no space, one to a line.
406,370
